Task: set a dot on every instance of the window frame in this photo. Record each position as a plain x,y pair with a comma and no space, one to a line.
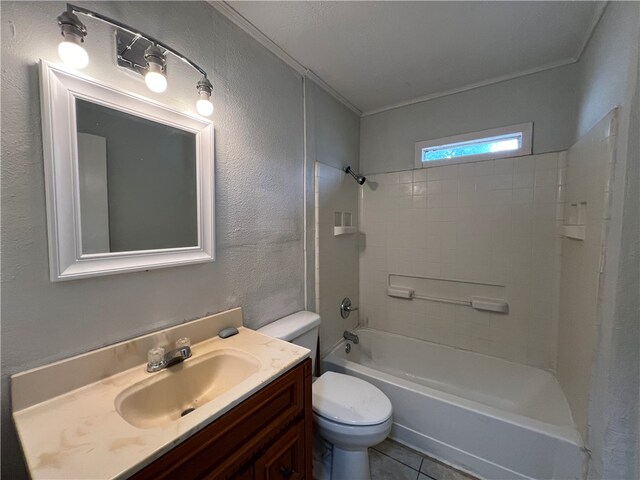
526,129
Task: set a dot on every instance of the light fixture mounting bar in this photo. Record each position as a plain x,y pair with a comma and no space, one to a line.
129,45
122,26
130,52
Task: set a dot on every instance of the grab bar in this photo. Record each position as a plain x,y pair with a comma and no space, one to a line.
466,303
409,294
478,303
452,280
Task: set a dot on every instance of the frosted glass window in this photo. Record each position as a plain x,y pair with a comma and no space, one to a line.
477,147
501,142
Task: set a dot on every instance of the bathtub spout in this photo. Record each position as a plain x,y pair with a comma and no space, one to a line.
352,337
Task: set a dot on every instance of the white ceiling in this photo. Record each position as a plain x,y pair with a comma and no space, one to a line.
382,54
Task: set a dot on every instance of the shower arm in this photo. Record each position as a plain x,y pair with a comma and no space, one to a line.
359,178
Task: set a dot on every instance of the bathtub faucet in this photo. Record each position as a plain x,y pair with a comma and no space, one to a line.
352,337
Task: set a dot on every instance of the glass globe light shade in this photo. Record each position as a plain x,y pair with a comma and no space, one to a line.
204,107
72,52
155,79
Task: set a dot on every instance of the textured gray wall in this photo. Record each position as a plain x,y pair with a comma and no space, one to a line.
332,137
606,71
259,203
610,77
337,130
548,99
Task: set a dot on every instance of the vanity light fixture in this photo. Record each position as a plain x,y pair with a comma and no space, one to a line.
70,49
135,51
155,77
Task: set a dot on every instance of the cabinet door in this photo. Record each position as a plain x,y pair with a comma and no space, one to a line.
285,459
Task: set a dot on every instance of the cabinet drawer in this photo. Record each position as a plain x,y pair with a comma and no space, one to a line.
285,459
221,449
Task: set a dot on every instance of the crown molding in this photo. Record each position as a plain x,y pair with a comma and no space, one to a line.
472,86
595,19
238,19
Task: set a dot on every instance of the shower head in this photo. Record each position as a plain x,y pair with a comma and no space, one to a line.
359,178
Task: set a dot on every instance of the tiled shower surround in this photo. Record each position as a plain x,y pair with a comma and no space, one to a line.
493,222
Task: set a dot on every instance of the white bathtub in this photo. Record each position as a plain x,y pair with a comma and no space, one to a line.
492,418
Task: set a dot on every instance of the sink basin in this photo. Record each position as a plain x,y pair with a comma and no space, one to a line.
168,395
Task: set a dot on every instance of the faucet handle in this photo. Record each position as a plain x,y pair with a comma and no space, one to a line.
183,342
155,357
346,308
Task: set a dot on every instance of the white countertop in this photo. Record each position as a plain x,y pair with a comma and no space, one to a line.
80,435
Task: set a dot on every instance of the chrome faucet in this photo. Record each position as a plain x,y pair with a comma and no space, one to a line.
351,337
158,359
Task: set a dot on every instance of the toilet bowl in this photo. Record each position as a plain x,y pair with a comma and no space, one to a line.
352,415
349,413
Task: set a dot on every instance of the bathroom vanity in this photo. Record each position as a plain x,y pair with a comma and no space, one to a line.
268,436
238,407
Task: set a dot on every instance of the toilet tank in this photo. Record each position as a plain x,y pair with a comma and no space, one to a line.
300,328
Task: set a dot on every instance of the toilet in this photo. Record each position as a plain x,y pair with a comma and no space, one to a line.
349,413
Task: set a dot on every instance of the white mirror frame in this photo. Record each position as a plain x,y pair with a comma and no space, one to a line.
59,88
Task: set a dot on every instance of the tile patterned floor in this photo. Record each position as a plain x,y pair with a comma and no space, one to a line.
390,460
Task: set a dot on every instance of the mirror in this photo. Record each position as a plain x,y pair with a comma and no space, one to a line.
137,182
129,181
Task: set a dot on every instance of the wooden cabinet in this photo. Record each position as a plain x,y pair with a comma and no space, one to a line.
266,437
285,459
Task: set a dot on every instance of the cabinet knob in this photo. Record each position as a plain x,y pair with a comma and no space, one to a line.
285,471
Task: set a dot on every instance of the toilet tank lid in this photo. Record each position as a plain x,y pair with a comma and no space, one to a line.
291,326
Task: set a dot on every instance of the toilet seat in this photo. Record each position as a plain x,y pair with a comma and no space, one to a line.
349,401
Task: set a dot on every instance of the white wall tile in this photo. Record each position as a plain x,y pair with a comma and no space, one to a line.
434,186
419,188
522,196
490,221
545,194
405,177
420,175
484,168
525,164
544,178
467,170
503,165
547,161
523,180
